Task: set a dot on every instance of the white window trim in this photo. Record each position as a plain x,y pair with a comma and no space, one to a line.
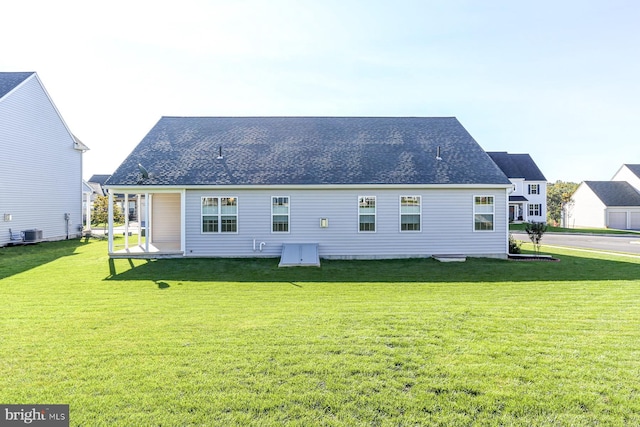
473,217
288,215
536,186
220,215
400,213
375,215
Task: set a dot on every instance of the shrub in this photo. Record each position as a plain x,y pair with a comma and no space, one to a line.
514,245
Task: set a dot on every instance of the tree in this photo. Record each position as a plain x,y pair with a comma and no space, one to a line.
100,212
535,230
558,195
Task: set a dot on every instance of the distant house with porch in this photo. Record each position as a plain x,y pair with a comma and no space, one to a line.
41,188
355,187
528,201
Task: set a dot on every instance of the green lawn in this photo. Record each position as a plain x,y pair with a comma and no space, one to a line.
241,342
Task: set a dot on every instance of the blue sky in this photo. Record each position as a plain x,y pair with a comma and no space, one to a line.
557,79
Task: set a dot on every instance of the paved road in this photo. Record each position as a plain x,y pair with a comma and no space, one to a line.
603,242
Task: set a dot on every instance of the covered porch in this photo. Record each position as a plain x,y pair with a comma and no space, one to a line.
517,208
158,231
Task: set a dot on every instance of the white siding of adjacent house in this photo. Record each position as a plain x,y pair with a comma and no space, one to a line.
587,209
540,199
40,171
624,174
446,228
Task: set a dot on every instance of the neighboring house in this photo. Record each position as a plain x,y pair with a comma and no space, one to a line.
629,173
528,201
607,204
353,187
97,182
40,164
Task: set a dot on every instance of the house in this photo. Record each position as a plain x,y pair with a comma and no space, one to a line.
41,186
528,201
131,207
352,187
607,204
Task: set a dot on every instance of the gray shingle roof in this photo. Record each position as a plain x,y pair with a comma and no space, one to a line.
307,150
8,81
100,179
517,165
615,193
635,169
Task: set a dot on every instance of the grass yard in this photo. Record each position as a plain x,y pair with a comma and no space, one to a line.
241,342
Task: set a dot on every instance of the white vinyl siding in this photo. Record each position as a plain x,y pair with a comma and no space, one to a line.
410,213
280,214
587,209
367,213
40,171
483,213
442,225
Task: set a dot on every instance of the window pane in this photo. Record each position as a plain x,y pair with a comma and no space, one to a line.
281,223
209,224
410,209
209,205
483,222
229,224
229,205
484,209
367,223
367,204
484,200
410,223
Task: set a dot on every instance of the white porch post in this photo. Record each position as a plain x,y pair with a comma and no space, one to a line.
110,217
126,220
139,215
183,221
147,232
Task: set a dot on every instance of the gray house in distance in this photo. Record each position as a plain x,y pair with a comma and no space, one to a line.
352,187
41,187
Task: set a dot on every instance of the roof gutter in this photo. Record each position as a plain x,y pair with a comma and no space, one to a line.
173,188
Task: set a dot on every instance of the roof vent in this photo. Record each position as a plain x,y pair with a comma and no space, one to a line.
438,154
220,154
